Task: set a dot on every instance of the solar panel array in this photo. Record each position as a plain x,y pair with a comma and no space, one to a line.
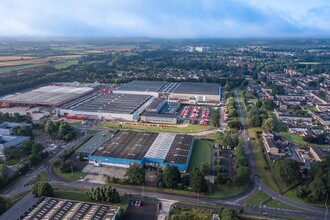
179,150
58,209
140,85
127,144
112,103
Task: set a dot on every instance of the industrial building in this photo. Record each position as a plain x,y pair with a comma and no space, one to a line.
153,149
51,96
195,92
54,208
107,106
11,141
93,143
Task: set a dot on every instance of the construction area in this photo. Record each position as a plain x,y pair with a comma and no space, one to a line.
149,149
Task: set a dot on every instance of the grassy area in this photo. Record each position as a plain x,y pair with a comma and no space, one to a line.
293,196
294,138
188,129
256,197
202,152
76,175
65,64
225,191
42,176
11,162
260,160
7,69
180,213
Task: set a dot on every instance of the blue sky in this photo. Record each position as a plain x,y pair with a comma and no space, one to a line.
166,18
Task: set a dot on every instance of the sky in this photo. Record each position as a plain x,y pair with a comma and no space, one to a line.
166,18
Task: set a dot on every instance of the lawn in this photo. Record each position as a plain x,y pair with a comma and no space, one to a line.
292,196
261,164
72,196
225,191
294,138
309,63
188,129
65,64
256,197
76,175
202,152
11,162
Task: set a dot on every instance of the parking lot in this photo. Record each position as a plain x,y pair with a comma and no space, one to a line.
196,114
147,210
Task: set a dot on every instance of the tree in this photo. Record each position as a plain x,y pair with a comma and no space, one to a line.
256,121
228,214
105,193
206,169
135,175
3,204
235,124
269,124
242,175
215,118
287,170
268,104
221,178
36,148
258,104
49,127
66,166
197,181
277,89
42,188
172,176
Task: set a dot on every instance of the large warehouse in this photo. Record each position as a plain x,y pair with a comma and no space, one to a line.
107,106
145,149
51,96
199,92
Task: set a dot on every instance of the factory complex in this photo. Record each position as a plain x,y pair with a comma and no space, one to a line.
146,149
148,101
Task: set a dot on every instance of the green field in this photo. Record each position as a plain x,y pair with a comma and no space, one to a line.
188,129
65,64
11,162
76,175
294,138
7,69
201,153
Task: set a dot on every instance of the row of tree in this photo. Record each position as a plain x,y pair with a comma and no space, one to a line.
105,193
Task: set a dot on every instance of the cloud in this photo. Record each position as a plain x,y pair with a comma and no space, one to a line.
165,19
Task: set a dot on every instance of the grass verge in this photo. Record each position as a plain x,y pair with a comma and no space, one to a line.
76,175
